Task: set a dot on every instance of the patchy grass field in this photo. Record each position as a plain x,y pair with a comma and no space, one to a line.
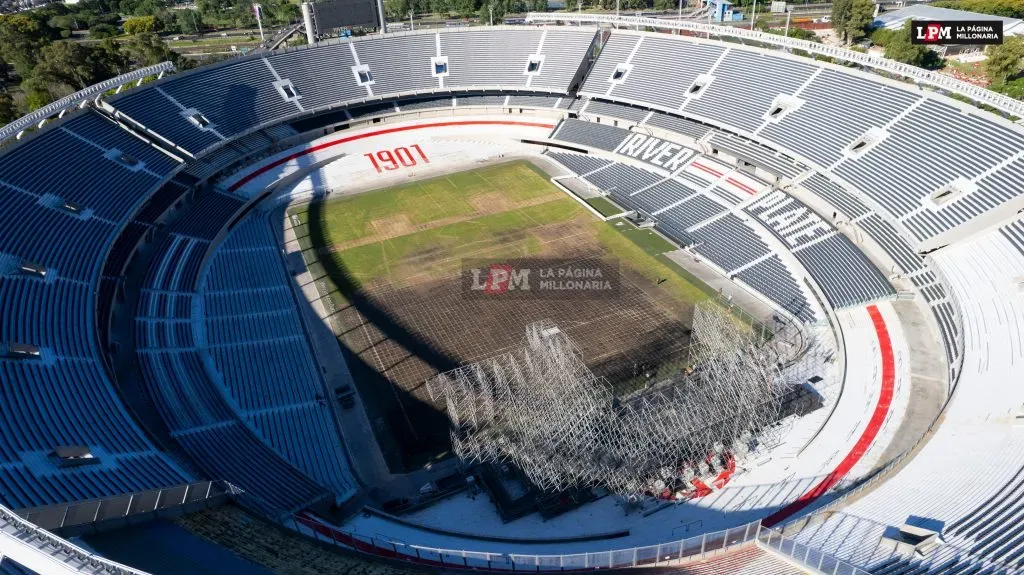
402,208
389,262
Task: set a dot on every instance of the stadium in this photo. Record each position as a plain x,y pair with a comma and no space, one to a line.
287,313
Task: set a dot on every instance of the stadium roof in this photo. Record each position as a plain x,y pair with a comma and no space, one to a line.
896,18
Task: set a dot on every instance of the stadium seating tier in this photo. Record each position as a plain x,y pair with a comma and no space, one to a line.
215,386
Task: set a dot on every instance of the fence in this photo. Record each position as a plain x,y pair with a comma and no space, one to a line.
664,554
814,559
86,515
19,537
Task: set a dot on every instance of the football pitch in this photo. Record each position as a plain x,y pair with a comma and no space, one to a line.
389,264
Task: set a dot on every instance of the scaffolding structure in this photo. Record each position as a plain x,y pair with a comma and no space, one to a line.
540,408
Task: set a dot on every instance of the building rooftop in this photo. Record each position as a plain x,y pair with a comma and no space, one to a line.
896,18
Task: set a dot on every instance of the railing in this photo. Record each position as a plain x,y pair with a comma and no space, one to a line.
83,514
976,93
25,122
816,560
17,534
695,548
283,35
956,355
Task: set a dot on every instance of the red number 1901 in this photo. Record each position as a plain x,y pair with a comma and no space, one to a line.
393,159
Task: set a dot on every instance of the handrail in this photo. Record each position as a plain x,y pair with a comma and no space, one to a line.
957,361
51,545
976,93
81,514
18,126
815,560
671,552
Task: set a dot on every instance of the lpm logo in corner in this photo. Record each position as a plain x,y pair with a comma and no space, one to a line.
956,32
541,278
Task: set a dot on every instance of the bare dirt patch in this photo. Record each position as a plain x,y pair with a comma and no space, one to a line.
491,202
392,227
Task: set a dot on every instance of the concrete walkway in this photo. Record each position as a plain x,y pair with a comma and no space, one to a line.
745,300
364,454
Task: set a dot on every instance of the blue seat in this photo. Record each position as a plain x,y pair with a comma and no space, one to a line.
64,397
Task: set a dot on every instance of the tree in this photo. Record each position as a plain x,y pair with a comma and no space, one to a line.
1006,8
101,31
148,49
841,11
33,56
141,7
802,34
882,36
189,21
242,16
5,74
862,14
36,98
899,48
794,32
212,7
465,8
8,112
167,21
492,8
851,19
1012,88
139,25
396,10
66,23
71,64
287,12
1004,60
21,37
111,57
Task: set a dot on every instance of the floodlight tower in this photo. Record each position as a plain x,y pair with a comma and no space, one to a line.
380,15
709,19
308,21
258,9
